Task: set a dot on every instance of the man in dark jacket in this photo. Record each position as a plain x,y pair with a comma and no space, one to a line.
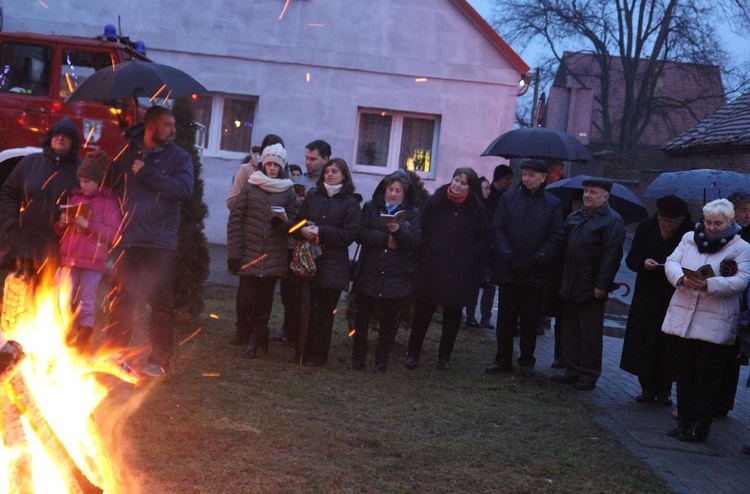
153,176
527,233
33,191
592,252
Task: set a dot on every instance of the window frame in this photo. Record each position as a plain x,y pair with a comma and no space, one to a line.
395,137
213,136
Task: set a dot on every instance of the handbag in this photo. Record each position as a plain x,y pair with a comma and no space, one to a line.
354,264
303,264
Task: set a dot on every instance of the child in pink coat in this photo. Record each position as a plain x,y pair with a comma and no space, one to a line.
89,225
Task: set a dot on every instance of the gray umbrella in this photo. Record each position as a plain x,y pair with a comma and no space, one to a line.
136,78
698,185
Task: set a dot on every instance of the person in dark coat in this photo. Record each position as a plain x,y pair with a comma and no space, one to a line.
591,257
257,242
333,221
487,298
31,195
731,376
526,234
647,352
450,262
385,267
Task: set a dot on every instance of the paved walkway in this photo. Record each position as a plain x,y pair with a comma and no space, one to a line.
717,467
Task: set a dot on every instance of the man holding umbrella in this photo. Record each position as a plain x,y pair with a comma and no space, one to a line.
527,232
153,176
591,257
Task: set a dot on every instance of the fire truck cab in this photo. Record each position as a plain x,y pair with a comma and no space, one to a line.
37,73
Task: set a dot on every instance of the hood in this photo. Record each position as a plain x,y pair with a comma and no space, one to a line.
63,126
409,198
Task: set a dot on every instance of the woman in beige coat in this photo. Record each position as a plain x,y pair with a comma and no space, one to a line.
703,313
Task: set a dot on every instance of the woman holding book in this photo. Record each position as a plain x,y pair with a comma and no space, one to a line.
451,255
257,235
703,313
389,235
333,219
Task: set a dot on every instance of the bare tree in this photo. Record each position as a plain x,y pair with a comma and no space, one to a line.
632,42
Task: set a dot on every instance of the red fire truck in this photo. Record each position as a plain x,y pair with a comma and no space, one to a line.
37,73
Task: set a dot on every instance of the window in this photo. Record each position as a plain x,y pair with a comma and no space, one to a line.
228,120
25,69
76,66
389,140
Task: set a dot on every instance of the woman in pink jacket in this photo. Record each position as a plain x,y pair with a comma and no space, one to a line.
89,225
703,313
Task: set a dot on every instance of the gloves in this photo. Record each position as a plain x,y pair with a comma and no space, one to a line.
234,265
728,267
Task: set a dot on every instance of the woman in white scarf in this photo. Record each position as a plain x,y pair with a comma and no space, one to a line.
257,238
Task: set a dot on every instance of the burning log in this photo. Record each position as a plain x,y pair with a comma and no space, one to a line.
11,354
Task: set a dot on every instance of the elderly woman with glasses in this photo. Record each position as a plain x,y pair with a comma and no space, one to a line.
647,352
703,313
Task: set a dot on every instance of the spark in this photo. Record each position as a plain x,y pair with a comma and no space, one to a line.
46,183
88,138
213,316
211,374
69,82
283,11
307,77
41,268
256,260
334,311
297,226
193,335
352,332
166,98
157,93
40,2
420,79
121,151
315,24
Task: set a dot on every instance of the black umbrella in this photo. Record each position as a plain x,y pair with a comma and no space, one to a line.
136,78
538,142
621,199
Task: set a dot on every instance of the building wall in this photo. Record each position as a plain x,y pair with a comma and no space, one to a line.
358,53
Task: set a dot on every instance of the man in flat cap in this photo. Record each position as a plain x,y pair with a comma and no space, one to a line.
592,251
527,233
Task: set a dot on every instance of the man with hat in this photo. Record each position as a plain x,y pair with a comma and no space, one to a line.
592,251
527,231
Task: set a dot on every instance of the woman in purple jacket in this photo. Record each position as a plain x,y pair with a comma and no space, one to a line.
88,227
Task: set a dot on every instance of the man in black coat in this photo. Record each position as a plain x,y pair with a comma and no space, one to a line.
526,233
591,257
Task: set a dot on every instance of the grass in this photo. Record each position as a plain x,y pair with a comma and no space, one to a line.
270,426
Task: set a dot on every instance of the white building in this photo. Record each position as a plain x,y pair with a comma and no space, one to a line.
425,84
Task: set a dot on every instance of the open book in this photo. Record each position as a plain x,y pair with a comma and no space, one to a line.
280,213
702,273
387,219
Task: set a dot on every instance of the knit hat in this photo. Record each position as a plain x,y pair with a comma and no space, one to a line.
500,172
94,166
602,183
275,153
671,207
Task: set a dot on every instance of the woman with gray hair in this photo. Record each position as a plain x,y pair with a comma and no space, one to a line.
703,313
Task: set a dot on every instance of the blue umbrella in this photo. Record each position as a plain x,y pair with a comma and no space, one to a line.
698,185
621,199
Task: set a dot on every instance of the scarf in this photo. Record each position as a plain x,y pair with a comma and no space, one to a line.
268,184
392,207
708,244
458,199
332,190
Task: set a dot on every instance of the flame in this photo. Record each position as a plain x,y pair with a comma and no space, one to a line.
54,392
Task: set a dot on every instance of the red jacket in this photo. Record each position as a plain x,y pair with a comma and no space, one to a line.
89,247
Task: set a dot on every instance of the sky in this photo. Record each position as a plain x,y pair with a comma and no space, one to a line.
735,44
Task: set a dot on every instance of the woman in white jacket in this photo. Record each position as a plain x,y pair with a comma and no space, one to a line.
703,313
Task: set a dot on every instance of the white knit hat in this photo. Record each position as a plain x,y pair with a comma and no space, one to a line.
275,153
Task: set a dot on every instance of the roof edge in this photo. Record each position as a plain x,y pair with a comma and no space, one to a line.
492,36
